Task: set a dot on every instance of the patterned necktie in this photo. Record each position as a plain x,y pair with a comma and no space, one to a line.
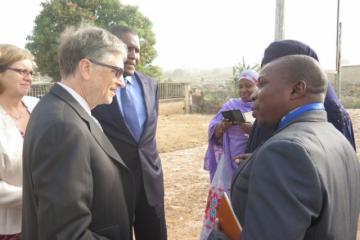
129,110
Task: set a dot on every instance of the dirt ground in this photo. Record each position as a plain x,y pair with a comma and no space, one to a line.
182,144
181,141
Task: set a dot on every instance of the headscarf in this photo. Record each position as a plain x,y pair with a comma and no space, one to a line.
250,75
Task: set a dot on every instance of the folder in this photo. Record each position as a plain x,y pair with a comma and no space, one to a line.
229,224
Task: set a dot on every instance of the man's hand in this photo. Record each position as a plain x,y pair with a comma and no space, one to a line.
242,157
216,233
246,127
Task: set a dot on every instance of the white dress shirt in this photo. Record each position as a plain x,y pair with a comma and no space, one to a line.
81,101
11,144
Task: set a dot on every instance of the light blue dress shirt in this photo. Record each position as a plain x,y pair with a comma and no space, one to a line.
134,89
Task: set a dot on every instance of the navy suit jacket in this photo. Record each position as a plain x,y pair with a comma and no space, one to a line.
138,156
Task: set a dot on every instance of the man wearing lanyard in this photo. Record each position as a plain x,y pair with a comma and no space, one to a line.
304,182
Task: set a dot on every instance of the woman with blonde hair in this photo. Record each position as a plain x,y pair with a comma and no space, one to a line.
16,75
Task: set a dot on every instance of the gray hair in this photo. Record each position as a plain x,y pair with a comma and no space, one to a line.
86,42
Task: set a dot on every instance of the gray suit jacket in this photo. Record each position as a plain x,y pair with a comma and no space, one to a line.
302,183
75,184
139,156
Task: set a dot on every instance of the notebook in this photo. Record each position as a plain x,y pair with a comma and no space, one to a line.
229,224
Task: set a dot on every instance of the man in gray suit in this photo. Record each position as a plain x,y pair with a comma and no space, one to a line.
75,184
130,124
304,182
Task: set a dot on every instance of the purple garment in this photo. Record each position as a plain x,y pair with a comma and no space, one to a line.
234,139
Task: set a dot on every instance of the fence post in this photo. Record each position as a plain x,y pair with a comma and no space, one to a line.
187,95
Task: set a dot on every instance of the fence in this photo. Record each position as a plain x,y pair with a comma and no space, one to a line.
209,100
167,90
172,90
40,89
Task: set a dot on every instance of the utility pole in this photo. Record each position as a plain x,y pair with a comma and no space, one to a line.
279,19
338,51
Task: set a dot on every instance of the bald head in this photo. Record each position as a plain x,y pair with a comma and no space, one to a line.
295,68
285,84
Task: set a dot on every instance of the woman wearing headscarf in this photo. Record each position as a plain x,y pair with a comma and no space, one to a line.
16,74
226,140
336,112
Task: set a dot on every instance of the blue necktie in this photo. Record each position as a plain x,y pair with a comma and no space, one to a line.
129,110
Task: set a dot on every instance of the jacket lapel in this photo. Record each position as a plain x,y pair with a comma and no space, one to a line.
95,130
114,105
104,142
118,117
144,82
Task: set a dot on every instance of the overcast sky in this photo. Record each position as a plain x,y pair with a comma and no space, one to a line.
211,33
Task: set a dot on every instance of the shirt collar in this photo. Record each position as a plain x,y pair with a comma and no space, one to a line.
77,97
129,79
285,120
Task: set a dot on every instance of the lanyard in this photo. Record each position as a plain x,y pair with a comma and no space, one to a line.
298,111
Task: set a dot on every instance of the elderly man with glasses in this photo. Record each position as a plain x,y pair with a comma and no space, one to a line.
76,186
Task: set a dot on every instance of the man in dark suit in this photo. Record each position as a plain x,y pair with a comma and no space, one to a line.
304,182
75,184
130,124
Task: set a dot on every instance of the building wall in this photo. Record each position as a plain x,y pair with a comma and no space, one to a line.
350,73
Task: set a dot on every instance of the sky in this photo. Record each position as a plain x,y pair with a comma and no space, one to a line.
204,34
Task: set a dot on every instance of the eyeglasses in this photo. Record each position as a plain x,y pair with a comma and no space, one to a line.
22,72
118,71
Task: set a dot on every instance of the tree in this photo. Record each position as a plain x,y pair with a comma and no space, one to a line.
58,14
241,66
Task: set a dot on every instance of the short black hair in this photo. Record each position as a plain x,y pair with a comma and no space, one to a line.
118,30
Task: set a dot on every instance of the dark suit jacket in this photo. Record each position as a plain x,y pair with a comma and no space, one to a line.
302,183
75,184
142,156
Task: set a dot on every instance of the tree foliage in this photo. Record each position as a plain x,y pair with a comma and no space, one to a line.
241,66
58,14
